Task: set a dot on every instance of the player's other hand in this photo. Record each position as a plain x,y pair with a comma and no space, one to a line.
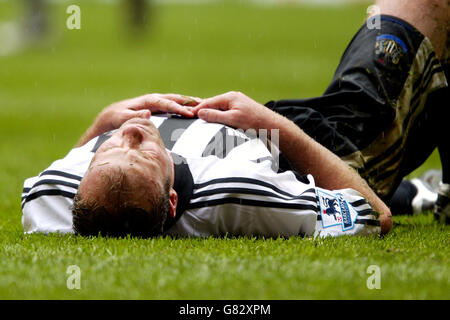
236,110
113,116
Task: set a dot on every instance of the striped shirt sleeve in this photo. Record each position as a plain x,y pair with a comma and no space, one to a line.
47,198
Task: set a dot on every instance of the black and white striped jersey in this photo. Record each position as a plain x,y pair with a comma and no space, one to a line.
228,182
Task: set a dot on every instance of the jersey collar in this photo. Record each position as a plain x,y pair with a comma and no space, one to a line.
183,185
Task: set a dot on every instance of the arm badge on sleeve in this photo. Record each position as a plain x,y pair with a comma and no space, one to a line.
335,210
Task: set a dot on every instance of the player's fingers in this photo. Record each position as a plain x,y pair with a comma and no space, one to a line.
385,222
182,99
166,105
130,114
212,115
118,118
156,103
159,102
220,102
145,114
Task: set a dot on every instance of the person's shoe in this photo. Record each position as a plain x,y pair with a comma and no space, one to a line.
433,179
427,188
442,206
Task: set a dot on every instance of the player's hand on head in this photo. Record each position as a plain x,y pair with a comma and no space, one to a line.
234,109
117,113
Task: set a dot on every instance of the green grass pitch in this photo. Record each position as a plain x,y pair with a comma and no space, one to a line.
51,92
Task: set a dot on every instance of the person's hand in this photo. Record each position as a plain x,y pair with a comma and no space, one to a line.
117,113
236,110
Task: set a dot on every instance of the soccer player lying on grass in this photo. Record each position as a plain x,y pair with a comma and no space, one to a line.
383,113
183,176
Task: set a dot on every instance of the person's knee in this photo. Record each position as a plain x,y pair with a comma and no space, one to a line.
407,5
430,17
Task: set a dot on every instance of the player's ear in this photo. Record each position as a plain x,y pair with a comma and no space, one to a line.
173,201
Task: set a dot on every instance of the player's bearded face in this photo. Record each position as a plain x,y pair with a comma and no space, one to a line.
137,151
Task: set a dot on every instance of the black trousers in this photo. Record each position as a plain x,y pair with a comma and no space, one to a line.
383,110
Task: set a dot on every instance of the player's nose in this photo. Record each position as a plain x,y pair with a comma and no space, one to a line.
132,137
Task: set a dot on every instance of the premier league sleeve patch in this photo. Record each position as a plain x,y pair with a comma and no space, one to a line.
335,210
